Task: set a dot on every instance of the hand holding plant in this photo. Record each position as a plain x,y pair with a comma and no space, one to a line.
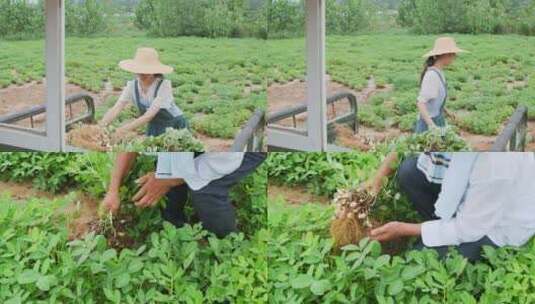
111,202
395,230
153,189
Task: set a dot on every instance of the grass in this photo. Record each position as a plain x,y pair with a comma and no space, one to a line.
478,81
217,82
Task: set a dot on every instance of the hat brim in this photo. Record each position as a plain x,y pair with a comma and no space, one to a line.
442,52
137,68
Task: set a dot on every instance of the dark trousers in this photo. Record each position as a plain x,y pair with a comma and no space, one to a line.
423,196
211,204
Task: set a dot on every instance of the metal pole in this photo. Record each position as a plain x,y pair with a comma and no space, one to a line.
55,79
316,89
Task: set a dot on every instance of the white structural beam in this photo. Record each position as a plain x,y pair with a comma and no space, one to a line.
288,140
53,137
55,79
316,88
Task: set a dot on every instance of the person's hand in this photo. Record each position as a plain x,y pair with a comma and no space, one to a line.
395,230
111,202
153,189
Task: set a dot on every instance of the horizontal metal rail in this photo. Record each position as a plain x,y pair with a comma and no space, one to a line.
350,117
251,136
88,116
513,136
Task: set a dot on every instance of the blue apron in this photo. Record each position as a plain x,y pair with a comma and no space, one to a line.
440,119
163,118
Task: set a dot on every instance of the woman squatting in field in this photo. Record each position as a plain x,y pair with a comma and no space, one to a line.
150,93
466,200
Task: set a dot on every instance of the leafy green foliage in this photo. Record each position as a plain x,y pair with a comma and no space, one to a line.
303,269
476,17
173,264
435,140
46,170
482,89
205,18
218,83
187,264
21,19
322,173
172,140
286,18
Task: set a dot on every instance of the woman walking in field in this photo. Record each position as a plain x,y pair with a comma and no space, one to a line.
150,93
433,85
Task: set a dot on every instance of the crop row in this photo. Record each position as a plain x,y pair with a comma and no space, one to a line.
485,86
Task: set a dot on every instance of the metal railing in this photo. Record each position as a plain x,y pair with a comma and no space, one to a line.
251,136
513,137
88,116
349,118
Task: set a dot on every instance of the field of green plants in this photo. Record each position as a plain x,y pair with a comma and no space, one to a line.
161,264
485,86
217,82
303,268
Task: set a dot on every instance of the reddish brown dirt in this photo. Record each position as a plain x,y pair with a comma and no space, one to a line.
295,195
281,96
82,214
22,191
17,98
215,144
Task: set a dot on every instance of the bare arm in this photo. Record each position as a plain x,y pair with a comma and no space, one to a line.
140,121
123,164
425,115
386,170
113,113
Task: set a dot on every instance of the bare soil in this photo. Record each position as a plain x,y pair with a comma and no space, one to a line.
14,99
293,93
295,195
82,215
17,98
282,96
22,191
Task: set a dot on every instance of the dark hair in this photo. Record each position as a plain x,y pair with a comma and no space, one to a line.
159,76
428,63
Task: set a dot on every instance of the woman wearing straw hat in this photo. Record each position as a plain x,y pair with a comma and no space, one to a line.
150,93
433,85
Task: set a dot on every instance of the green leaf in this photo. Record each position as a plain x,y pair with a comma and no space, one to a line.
319,287
28,276
45,282
411,272
108,255
395,287
122,280
135,266
301,281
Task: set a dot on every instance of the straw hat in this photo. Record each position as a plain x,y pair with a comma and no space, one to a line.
444,45
146,62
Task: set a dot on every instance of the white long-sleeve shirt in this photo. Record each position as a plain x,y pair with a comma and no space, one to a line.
499,203
200,171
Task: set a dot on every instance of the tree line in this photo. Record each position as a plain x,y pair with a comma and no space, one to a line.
21,19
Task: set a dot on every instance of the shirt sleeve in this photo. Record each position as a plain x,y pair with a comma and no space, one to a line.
197,172
481,210
164,99
127,96
430,88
